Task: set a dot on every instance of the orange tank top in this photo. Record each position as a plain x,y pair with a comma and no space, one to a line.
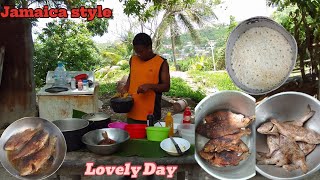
143,72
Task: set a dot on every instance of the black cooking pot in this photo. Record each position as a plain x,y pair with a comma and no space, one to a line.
73,129
97,120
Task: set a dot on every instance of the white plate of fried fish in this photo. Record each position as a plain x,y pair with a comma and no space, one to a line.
32,148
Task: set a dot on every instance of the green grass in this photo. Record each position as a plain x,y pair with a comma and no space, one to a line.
179,88
218,79
107,89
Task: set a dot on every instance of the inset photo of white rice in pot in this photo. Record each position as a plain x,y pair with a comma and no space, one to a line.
260,55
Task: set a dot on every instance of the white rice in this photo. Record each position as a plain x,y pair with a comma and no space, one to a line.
261,58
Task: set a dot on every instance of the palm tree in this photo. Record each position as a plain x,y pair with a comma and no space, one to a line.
182,15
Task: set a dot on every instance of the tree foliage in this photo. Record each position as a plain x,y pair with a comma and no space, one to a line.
66,41
303,23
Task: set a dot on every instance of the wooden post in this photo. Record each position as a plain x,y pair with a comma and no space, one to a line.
1,61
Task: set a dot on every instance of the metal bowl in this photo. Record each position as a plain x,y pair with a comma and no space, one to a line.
32,122
73,129
243,27
92,138
287,106
237,102
98,120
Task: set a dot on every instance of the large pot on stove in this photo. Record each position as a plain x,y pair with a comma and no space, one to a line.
73,129
97,120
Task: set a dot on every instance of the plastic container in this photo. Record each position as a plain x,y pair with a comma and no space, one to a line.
187,131
169,123
157,133
85,85
119,125
73,83
186,116
136,131
60,75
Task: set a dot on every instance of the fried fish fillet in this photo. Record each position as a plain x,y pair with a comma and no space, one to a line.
306,148
297,133
34,162
229,118
277,158
292,151
18,140
214,130
273,144
106,139
224,158
228,143
269,128
34,145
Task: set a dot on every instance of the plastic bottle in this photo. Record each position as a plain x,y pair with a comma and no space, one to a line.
169,123
80,85
60,75
186,116
73,83
85,85
150,119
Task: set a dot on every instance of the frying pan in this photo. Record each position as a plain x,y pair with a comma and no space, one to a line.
56,89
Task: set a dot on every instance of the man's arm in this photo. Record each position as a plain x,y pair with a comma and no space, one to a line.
163,86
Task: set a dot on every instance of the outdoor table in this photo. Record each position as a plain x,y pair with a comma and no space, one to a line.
74,164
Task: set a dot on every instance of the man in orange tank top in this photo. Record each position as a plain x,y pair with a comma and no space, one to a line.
149,77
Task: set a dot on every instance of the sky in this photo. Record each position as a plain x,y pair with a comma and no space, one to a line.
240,9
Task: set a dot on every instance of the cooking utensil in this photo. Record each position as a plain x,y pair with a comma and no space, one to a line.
73,129
92,138
237,102
176,146
32,122
97,120
288,106
121,105
56,89
243,27
169,147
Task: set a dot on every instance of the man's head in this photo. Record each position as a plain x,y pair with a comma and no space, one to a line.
142,45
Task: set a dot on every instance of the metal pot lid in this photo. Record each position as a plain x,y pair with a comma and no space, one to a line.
71,124
56,89
99,116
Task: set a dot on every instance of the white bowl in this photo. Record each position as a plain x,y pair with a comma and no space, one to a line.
168,146
163,124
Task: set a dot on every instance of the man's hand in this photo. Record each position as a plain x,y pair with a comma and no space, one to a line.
124,89
144,88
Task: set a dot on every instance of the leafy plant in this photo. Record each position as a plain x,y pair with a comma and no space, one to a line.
107,89
210,79
179,88
66,41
